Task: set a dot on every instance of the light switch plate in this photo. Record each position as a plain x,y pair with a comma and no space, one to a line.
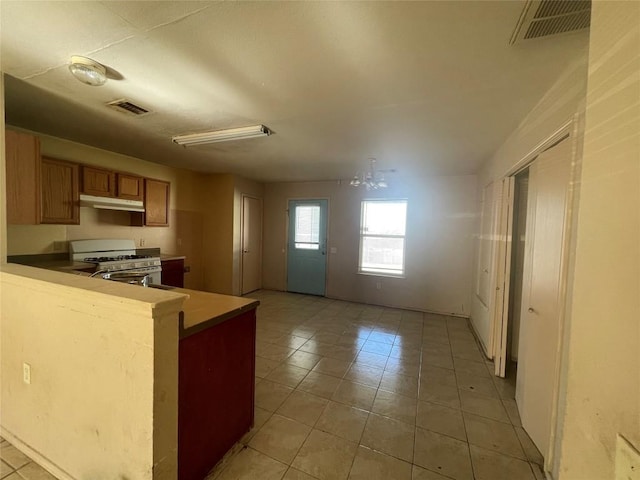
627,460
26,373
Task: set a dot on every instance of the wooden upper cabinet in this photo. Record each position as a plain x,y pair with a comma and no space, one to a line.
130,187
60,192
22,177
98,182
156,205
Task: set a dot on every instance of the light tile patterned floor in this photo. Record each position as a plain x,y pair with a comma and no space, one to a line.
15,465
352,391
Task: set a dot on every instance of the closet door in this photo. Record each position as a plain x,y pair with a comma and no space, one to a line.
543,290
251,244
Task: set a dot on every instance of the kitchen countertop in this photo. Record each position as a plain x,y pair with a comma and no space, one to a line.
61,265
203,310
200,310
166,256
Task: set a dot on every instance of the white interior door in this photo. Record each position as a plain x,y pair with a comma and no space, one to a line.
542,295
251,244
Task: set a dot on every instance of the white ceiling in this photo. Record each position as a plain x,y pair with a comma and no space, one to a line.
425,87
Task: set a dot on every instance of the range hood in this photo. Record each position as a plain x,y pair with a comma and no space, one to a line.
108,203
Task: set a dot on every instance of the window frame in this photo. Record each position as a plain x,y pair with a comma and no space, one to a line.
363,235
312,246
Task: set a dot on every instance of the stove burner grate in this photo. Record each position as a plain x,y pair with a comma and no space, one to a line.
115,259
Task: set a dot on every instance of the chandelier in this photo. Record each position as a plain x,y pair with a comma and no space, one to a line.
370,179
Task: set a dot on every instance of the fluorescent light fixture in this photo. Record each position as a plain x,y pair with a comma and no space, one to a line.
222,135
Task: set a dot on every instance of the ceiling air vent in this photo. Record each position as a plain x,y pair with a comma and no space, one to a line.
130,108
541,18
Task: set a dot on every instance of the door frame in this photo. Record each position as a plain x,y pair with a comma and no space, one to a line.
502,284
286,237
572,131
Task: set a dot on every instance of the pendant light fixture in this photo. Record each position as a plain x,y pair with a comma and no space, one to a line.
88,71
370,179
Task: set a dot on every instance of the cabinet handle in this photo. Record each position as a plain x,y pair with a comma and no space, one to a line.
531,310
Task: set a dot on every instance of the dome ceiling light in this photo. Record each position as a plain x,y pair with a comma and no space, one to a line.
88,71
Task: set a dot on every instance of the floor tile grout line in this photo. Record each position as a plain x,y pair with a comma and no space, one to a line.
419,384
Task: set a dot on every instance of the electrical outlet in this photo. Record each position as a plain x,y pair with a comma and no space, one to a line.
627,460
26,373
378,286
142,242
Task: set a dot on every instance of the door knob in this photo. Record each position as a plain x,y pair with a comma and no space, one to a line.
531,310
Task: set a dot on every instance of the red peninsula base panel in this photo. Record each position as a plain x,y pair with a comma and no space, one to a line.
216,393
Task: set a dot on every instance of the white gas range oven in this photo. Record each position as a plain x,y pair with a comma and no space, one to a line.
116,259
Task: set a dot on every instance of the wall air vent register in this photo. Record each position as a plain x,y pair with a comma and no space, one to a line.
542,18
126,106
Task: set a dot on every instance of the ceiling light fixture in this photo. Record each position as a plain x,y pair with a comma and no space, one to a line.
371,179
88,71
222,135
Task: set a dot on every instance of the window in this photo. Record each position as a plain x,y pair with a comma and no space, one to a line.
382,233
307,227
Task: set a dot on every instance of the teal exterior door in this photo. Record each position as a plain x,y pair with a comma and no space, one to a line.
307,247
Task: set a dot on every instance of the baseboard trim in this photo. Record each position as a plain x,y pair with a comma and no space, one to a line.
479,341
36,456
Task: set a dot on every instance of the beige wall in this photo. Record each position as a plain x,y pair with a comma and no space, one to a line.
441,217
103,391
3,184
183,236
217,252
557,107
603,379
222,230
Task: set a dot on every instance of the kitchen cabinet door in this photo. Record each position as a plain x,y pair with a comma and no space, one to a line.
130,187
98,182
60,192
173,272
216,382
22,178
156,205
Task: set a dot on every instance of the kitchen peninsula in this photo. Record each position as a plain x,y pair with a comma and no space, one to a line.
126,381
216,378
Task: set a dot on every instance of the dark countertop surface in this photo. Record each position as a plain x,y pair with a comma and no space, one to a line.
168,256
50,261
203,310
